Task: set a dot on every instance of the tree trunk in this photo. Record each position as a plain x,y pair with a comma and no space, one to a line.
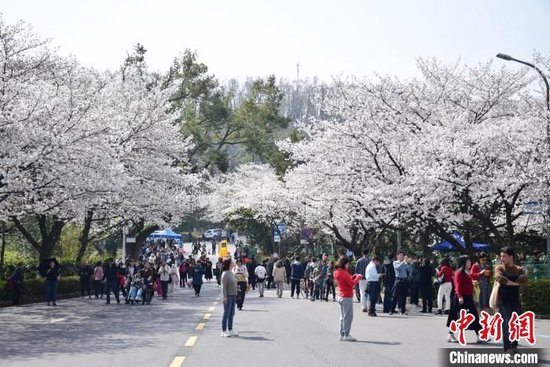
141,233
84,237
48,237
3,247
425,242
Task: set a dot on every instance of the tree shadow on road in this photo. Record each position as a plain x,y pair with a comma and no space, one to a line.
377,343
251,310
256,338
34,331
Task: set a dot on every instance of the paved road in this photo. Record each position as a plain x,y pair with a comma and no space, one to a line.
273,332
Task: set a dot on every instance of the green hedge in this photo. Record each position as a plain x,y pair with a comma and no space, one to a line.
535,297
34,290
30,270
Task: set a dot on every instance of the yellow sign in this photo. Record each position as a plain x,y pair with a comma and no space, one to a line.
223,249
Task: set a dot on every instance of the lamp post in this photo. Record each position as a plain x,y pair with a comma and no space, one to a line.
547,197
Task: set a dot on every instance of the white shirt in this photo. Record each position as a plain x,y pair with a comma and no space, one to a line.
240,270
260,272
371,273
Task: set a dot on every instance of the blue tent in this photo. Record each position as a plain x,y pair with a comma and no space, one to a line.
166,233
447,246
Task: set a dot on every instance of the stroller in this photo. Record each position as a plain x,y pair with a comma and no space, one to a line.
136,290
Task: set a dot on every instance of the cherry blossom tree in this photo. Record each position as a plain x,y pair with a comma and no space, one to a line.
80,145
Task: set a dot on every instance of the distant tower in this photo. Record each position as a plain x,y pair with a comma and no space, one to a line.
298,72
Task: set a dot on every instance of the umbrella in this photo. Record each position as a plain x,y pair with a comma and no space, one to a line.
45,264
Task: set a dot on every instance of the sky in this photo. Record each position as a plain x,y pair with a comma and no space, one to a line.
256,38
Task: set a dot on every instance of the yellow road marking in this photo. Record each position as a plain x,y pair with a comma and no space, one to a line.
191,341
177,362
207,316
200,326
211,308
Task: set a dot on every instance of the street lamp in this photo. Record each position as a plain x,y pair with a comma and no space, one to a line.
510,58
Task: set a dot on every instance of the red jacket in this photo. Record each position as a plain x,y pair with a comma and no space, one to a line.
447,271
346,282
463,284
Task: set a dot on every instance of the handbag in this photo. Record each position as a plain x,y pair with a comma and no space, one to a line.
494,298
477,291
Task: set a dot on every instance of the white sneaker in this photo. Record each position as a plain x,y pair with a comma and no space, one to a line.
233,333
225,334
341,337
451,338
349,338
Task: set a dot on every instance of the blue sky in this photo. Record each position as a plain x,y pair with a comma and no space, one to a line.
240,38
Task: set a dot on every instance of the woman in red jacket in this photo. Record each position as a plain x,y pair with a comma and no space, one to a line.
463,298
346,283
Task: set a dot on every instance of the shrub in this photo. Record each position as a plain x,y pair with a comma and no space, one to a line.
535,297
35,289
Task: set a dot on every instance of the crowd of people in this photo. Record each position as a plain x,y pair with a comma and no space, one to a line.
162,266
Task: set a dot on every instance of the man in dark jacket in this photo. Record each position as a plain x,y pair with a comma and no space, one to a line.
296,275
389,279
426,285
17,284
111,272
288,270
270,265
85,272
250,267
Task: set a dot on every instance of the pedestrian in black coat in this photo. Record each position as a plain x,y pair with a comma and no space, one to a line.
85,273
426,285
16,281
389,280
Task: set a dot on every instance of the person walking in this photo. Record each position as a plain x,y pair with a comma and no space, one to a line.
241,274
330,282
426,286
190,270
388,273
296,276
319,278
16,280
510,277
229,297
98,279
481,273
53,274
445,276
183,273
250,267
111,272
260,272
174,278
288,269
198,272
464,298
360,268
164,272
401,267
345,283
85,272
218,271
269,267
414,281
208,270
279,277
373,284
